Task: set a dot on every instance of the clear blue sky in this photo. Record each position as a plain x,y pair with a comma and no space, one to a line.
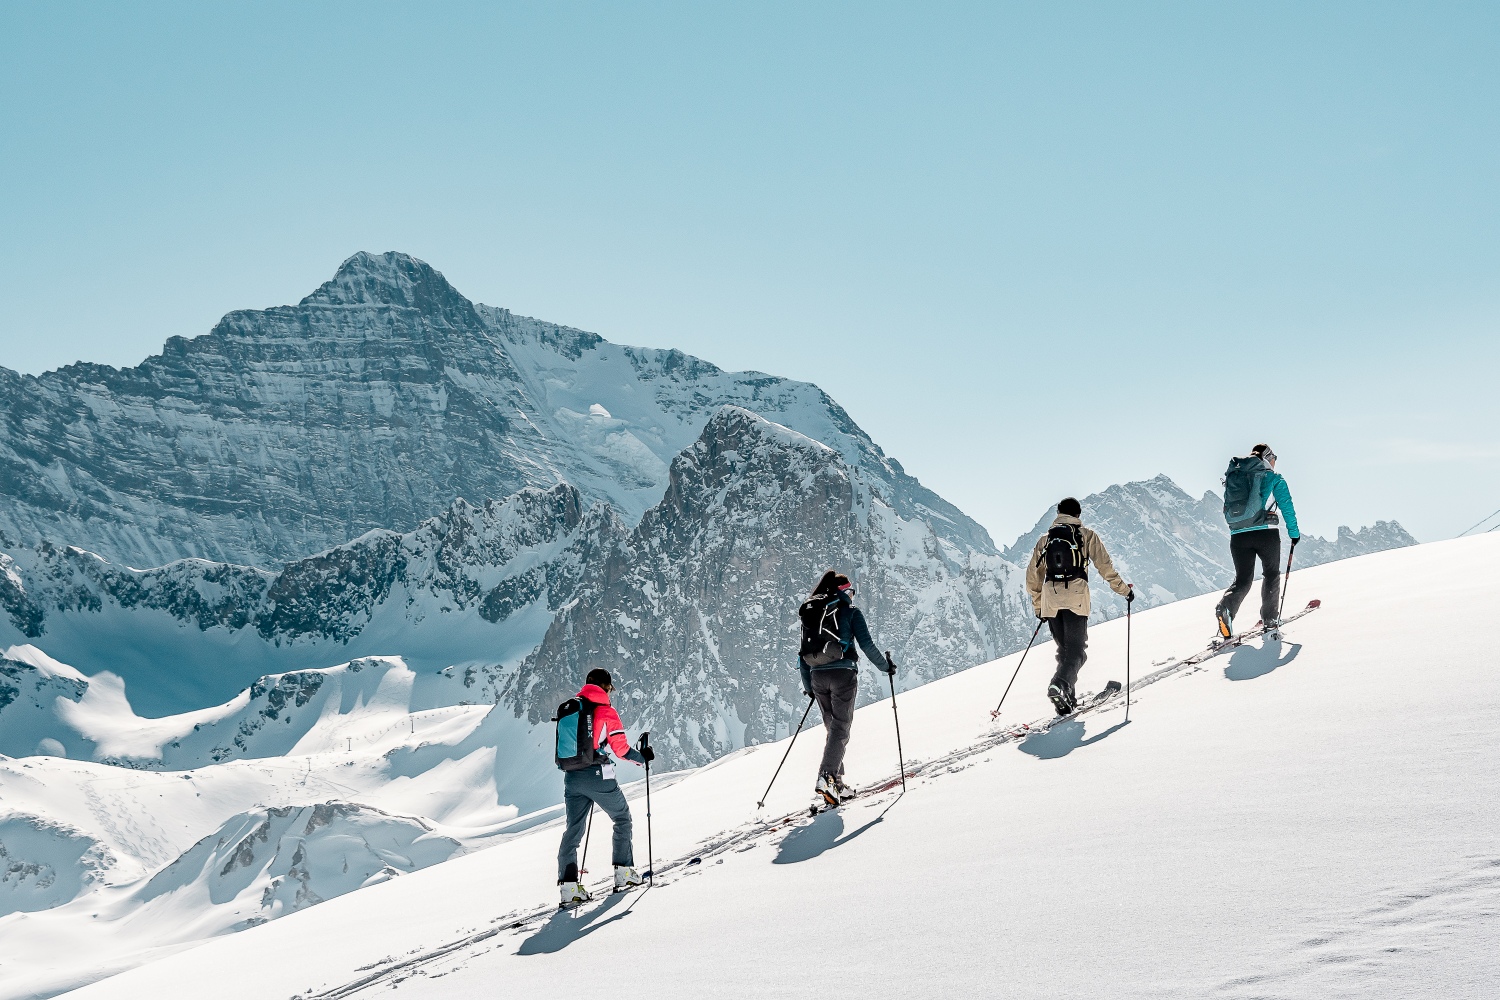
1033,249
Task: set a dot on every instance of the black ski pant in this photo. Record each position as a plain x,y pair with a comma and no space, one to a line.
1245,548
835,691
1070,634
582,790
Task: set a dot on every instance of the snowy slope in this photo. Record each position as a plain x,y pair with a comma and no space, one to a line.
307,786
1309,818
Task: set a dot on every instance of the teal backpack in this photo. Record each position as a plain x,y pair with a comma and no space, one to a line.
1246,489
575,735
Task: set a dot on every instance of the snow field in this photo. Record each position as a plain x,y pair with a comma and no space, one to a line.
1311,818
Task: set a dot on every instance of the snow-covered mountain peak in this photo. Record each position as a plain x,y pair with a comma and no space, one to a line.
371,404
389,279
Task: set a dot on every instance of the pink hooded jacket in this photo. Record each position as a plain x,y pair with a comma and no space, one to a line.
607,724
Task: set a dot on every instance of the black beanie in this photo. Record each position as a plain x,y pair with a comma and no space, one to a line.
599,676
1070,507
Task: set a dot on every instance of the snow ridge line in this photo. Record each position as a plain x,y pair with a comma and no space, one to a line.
753,831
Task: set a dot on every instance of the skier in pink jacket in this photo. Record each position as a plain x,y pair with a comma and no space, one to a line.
596,785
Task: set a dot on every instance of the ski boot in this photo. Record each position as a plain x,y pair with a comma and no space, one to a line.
626,877
1226,625
827,788
1062,698
846,792
573,894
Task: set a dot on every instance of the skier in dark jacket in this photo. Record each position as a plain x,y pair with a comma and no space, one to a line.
835,685
1253,494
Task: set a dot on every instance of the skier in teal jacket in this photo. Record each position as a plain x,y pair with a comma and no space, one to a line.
1255,498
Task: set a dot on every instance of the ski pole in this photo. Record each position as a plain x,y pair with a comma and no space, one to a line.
1129,604
650,849
996,713
583,869
900,755
762,803
1286,580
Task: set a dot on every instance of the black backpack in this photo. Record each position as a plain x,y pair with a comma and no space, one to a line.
822,632
575,735
1063,554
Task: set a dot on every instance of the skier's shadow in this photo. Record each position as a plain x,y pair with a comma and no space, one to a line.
1062,739
825,832
567,926
1250,662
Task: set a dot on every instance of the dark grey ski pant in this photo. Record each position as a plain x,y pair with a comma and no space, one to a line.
835,691
581,791
1070,634
1245,548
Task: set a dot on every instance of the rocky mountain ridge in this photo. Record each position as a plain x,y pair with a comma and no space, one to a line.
476,581
371,405
695,610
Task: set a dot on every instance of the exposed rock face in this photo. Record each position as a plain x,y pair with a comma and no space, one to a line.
1172,546
473,582
695,612
493,559
370,404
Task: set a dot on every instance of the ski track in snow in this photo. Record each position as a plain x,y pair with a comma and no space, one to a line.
455,955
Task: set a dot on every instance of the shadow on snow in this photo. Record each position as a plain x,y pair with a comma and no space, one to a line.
567,926
1062,739
1250,662
825,832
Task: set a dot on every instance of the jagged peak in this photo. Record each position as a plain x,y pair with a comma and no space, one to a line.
732,423
390,278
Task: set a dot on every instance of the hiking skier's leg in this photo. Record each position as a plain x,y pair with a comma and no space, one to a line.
1269,551
1070,639
835,691
612,800
1242,550
1074,647
576,805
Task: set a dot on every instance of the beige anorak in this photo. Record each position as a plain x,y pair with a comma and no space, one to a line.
1049,598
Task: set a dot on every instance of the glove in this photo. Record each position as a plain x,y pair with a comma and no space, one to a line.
1130,594
1296,540
890,664
647,754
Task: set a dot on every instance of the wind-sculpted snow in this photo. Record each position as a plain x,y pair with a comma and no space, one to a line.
695,612
44,863
458,587
369,405
275,861
1173,547
305,786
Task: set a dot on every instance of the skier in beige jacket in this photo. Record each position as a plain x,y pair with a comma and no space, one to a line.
1057,578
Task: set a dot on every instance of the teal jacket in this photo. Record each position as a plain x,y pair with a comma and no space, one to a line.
1282,495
